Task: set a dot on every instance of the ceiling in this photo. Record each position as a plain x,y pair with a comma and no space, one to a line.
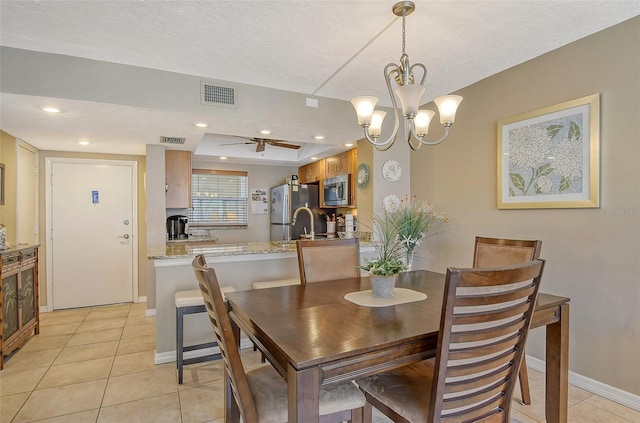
322,50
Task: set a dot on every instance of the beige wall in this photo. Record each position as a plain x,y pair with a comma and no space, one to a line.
8,156
593,255
364,196
142,206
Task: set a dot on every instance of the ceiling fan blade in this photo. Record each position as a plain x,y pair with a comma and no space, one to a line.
237,143
283,144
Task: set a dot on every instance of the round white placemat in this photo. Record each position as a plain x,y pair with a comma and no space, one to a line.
400,296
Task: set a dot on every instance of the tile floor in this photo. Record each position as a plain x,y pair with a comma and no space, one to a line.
96,365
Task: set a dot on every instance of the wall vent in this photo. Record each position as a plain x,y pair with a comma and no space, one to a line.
172,140
217,95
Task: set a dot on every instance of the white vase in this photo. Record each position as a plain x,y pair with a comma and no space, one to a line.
383,286
408,260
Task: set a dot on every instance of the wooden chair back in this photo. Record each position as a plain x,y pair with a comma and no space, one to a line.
331,259
217,310
496,252
485,321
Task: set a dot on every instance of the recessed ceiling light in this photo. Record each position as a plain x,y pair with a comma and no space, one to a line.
49,109
318,137
314,158
201,125
83,142
223,158
348,145
265,132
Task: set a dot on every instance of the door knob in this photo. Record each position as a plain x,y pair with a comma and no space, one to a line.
125,236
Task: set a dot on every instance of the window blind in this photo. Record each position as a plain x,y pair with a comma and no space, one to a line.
219,198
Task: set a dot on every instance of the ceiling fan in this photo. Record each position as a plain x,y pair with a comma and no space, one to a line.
262,142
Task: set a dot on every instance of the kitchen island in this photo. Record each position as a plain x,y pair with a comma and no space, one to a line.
238,265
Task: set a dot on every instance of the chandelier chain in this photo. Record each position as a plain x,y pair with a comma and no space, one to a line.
403,29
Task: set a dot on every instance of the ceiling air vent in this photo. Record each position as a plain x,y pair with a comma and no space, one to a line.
172,140
217,95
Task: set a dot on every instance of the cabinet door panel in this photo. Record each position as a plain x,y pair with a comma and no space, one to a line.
28,294
178,179
10,306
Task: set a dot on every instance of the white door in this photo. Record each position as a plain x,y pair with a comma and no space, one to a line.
92,231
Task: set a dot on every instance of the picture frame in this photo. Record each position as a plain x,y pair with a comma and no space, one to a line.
550,157
1,184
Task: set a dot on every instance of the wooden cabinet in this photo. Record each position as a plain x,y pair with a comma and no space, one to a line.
341,164
19,312
177,171
312,172
338,165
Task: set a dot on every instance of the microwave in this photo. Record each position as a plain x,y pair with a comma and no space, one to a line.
336,191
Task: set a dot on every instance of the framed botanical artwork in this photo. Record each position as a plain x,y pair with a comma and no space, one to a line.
549,158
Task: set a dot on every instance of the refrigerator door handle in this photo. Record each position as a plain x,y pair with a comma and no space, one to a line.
286,215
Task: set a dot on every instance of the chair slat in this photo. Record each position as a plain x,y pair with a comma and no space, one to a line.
470,414
476,382
494,297
481,365
488,333
490,315
476,397
491,348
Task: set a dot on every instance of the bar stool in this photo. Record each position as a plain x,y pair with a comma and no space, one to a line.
191,302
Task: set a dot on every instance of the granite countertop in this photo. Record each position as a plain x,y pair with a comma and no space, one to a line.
18,248
187,250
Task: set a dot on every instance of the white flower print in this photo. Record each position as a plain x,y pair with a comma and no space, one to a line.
529,146
545,184
568,158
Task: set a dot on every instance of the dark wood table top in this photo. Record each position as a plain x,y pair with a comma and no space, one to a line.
314,325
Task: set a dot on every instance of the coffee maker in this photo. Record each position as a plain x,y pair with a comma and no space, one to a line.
177,227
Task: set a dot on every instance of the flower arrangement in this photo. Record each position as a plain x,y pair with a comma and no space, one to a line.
398,233
413,220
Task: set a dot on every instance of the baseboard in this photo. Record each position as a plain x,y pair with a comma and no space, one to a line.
170,356
150,312
44,309
605,391
142,299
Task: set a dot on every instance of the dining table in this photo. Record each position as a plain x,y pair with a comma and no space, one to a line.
314,337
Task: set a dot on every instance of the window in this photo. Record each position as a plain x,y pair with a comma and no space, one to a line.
218,198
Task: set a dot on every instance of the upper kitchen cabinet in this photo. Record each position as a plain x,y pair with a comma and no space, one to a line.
338,165
177,169
312,172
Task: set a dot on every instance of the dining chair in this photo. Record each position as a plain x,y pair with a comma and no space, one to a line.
330,259
491,252
261,393
484,324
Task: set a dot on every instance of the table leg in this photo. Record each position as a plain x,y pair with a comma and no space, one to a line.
303,395
557,368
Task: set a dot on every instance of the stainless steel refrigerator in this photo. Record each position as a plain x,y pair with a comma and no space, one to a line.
285,199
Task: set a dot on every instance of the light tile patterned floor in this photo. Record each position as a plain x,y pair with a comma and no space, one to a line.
96,365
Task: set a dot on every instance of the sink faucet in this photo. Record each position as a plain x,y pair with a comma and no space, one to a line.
295,216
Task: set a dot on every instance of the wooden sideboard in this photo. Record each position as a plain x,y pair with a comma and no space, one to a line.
19,302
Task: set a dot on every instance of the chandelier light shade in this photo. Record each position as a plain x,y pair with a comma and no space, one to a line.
416,121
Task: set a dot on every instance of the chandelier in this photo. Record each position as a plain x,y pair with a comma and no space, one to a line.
416,122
